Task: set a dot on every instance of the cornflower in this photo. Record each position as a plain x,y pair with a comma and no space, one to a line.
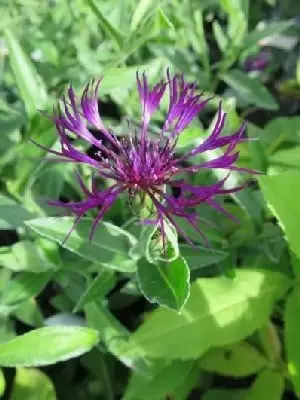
143,166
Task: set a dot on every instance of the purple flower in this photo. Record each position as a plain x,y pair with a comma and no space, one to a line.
140,165
257,62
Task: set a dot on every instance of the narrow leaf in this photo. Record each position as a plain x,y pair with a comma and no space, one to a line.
31,87
220,35
251,90
105,24
102,284
141,10
114,335
270,343
273,28
99,365
46,346
109,247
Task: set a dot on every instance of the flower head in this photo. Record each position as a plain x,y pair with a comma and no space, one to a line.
258,62
139,164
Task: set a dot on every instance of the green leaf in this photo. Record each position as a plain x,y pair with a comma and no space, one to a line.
25,256
106,25
5,277
109,247
102,284
163,21
2,383
238,19
284,160
150,244
167,284
278,130
99,365
114,335
273,28
270,343
140,11
292,326
174,380
29,156
31,87
12,214
46,346
298,71
22,288
277,190
29,313
7,331
259,160
220,35
32,384
295,264
121,78
52,178
199,41
11,121
240,359
200,256
188,138
220,311
141,248
268,385
225,394
250,90
235,6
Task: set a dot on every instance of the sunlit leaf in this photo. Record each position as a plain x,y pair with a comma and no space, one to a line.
268,384
33,349
240,359
292,326
220,311
32,384
277,190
